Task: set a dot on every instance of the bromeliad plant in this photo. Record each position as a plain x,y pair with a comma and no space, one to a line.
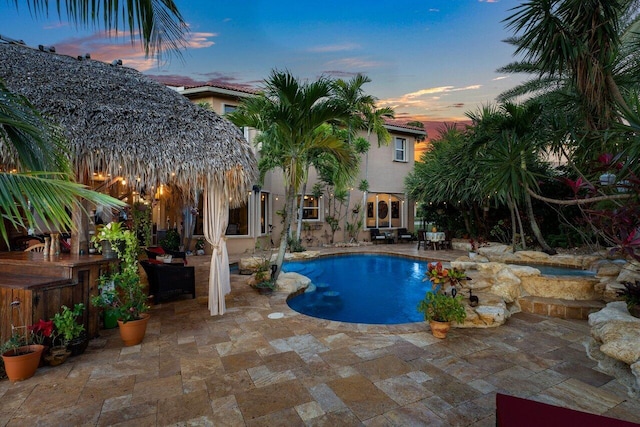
438,275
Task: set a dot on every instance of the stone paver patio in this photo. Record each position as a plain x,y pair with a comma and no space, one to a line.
244,368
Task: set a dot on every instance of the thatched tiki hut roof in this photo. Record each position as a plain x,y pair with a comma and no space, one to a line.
123,123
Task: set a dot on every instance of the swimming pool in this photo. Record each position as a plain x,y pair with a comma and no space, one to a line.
362,288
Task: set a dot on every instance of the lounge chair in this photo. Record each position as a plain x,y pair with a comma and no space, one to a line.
376,236
169,280
404,235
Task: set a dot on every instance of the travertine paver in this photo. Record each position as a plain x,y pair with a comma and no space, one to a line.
246,369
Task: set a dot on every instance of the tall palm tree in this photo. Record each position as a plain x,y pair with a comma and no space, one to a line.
29,143
289,113
157,24
362,114
585,45
508,137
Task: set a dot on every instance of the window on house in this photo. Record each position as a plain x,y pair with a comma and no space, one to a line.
264,213
400,150
226,108
311,208
384,211
238,221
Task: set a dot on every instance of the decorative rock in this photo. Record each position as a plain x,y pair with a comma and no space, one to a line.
292,282
507,285
617,334
608,269
630,273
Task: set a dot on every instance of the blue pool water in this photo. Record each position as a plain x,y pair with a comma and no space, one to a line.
562,271
375,289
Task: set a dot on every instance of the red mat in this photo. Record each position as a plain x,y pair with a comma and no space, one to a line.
517,412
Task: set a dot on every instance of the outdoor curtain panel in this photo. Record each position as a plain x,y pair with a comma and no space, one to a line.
216,217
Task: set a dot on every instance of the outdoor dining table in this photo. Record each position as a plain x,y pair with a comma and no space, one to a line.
434,238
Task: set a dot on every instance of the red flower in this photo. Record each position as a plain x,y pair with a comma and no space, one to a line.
42,327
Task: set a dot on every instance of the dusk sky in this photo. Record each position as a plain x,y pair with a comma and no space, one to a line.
429,60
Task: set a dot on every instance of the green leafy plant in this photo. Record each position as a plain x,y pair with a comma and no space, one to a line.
200,244
442,307
171,240
66,324
124,242
631,293
142,223
295,245
123,292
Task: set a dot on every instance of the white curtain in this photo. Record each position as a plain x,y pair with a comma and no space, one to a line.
216,217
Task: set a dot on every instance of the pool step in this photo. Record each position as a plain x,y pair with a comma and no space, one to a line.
561,308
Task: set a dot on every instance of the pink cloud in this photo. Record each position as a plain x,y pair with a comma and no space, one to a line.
106,47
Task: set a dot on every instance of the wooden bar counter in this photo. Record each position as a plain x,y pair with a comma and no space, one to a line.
42,285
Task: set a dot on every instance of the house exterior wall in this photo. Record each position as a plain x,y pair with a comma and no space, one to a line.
386,184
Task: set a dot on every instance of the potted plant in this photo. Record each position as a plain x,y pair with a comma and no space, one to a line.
440,310
42,332
200,244
21,357
122,291
109,240
69,330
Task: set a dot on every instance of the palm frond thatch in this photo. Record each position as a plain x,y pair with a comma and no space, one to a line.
120,122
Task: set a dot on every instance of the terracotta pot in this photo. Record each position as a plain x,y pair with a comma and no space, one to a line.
132,332
22,366
439,329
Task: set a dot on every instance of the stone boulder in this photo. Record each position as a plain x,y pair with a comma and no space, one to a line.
616,335
291,282
490,312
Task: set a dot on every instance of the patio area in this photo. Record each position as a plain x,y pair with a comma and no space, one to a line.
244,368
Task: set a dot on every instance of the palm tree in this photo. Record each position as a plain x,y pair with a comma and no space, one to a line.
28,143
289,115
362,114
584,46
158,24
508,138
446,173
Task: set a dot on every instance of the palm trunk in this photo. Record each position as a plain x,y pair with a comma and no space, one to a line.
534,225
289,209
514,230
301,209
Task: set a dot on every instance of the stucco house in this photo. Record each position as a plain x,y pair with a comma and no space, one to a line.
384,206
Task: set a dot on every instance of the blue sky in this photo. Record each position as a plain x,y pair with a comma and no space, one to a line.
429,60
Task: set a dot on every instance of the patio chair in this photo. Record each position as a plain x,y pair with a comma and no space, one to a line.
38,247
446,243
422,239
376,236
167,281
404,235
